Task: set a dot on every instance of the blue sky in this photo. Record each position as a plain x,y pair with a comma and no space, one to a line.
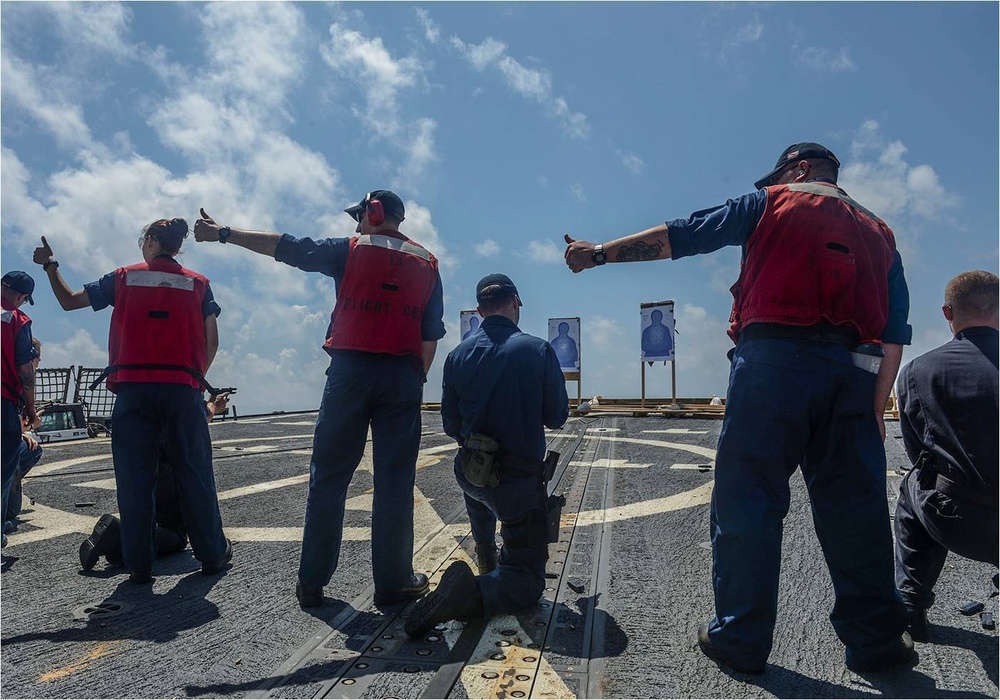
502,126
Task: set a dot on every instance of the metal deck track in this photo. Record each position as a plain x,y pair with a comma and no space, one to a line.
553,650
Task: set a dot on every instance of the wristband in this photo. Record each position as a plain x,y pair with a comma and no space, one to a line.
224,233
45,266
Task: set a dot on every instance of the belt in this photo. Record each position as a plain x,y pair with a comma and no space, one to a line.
820,333
516,466
964,494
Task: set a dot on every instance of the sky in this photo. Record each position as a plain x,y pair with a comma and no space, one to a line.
502,126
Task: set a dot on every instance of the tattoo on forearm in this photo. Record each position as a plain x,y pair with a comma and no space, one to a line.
640,250
27,380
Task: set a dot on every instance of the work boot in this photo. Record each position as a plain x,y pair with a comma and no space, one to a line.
709,649
916,624
901,654
213,567
457,597
105,539
418,587
486,559
140,576
309,597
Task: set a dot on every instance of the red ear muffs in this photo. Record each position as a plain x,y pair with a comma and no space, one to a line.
376,214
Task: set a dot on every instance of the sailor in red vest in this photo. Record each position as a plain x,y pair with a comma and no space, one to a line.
16,288
382,338
819,320
163,338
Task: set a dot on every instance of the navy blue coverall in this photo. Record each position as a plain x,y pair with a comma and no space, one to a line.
145,413
793,402
948,415
362,389
508,385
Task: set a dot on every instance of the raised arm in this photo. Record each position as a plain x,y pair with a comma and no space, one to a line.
651,244
262,242
67,298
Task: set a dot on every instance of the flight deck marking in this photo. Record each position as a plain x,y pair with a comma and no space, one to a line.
608,463
704,451
679,501
100,649
676,431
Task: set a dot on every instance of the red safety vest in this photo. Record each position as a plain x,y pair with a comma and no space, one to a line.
157,321
388,280
13,321
816,256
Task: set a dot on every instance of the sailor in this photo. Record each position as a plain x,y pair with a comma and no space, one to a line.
171,532
16,288
381,339
502,388
820,299
29,453
162,340
948,416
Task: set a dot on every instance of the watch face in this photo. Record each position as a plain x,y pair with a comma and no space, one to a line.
600,257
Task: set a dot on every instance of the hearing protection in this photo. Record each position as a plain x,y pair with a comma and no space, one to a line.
374,211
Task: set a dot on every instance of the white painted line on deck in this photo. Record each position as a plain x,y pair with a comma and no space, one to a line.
697,467
607,463
44,468
704,451
51,522
107,484
679,501
676,431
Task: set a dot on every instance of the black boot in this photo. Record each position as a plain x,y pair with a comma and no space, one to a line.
457,597
106,539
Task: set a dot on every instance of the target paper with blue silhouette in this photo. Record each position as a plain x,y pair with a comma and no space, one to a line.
469,322
564,337
657,331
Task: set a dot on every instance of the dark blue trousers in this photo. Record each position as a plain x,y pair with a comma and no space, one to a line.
10,443
142,412
26,459
797,403
519,504
362,390
928,525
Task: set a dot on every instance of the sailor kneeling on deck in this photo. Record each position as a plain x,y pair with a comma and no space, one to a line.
501,389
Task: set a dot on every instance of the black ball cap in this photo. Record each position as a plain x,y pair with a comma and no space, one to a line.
392,205
795,153
495,286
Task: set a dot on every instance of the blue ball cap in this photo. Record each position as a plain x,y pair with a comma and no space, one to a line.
21,282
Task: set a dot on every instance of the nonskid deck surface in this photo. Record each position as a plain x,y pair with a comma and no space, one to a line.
628,583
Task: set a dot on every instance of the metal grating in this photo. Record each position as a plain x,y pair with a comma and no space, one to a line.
100,402
52,385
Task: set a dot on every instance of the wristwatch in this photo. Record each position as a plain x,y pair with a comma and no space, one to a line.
54,263
599,256
224,233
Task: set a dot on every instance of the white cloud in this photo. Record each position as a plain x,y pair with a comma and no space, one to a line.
98,27
419,227
750,32
822,60
576,189
79,349
43,92
880,178
367,62
431,31
487,248
545,252
528,82
604,333
633,163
